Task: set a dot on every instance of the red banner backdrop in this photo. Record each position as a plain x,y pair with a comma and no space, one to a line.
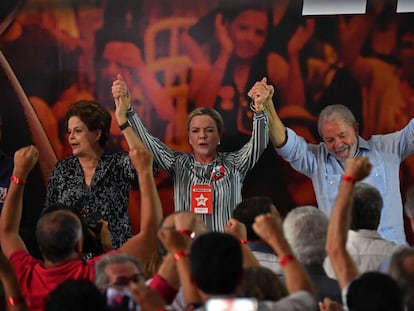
57,52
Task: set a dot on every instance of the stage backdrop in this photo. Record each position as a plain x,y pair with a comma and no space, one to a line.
178,55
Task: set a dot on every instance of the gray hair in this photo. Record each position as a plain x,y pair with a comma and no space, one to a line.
305,229
366,207
101,279
333,112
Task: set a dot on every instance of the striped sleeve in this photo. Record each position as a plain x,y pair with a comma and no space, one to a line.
163,155
249,154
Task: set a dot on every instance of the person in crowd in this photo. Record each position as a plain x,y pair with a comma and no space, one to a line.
232,48
117,269
215,265
401,266
305,228
370,291
81,295
59,232
365,245
261,283
93,180
246,212
6,168
206,181
324,162
11,296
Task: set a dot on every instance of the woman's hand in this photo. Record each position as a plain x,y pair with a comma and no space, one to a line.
261,93
222,35
122,99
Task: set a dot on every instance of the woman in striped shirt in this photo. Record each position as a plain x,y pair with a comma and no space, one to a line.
206,181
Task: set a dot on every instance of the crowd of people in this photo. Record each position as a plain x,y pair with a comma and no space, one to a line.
217,250
223,247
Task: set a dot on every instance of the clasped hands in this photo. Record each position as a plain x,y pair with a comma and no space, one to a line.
261,93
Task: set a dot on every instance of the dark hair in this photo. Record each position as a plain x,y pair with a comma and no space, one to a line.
261,283
374,291
93,115
247,210
79,295
57,233
216,263
366,207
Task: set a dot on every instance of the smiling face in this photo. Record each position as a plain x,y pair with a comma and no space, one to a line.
82,140
248,32
341,139
204,137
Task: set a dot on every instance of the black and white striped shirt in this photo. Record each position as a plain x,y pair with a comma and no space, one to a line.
186,171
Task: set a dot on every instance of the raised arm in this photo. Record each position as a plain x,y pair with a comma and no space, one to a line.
344,266
134,131
206,84
269,228
178,245
238,230
295,85
262,93
352,35
12,292
24,161
249,154
122,101
144,244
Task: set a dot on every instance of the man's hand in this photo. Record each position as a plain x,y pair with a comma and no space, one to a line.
236,229
260,94
357,168
174,241
106,236
24,161
122,98
185,221
268,227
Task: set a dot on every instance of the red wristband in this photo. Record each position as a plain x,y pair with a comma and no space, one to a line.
286,259
14,301
189,233
180,254
243,241
349,179
17,180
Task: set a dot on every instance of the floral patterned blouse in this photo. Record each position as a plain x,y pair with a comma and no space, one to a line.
108,193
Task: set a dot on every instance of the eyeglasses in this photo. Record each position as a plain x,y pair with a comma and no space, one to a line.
123,281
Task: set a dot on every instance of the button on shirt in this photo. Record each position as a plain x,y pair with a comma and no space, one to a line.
385,152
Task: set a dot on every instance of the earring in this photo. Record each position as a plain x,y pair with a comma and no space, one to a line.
218,143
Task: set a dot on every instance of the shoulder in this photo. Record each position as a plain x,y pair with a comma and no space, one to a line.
67,163
300,300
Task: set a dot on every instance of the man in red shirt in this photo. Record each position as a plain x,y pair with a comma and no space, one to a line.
59,233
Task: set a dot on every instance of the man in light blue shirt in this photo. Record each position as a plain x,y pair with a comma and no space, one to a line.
324,163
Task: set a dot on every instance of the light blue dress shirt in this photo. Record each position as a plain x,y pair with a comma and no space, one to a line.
385,152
